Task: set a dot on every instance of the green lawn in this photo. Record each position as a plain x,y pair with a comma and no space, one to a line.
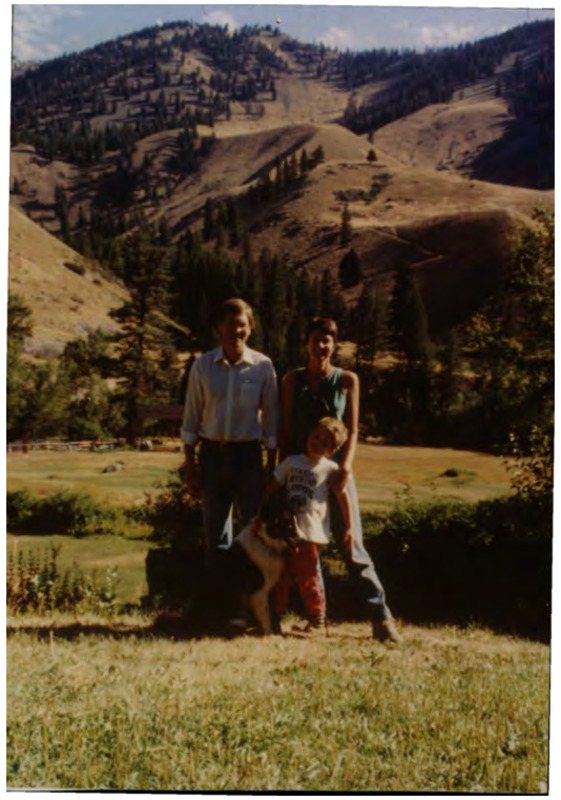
96,703
116,707
384,474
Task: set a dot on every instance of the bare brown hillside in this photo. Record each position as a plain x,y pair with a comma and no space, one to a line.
445,136
65,305
453,231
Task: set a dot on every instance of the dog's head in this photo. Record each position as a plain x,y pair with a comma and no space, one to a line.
282,527
279,519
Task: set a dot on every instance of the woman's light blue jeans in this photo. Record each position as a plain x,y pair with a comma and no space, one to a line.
359,563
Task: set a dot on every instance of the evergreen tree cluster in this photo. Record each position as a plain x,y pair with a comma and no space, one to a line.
479,386
278,180
418,80
138,80
283,300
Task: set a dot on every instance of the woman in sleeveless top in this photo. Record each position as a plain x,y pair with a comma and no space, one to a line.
318,390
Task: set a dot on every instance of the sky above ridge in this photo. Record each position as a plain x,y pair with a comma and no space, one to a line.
44,31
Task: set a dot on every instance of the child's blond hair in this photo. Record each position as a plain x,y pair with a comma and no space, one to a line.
337,429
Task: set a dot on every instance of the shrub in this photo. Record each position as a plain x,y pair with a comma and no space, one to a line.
62,512
35,584
448,562
172,514
20,507
459,563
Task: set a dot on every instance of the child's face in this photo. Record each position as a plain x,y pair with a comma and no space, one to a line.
320,443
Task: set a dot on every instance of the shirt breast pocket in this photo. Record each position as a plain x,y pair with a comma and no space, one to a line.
249,394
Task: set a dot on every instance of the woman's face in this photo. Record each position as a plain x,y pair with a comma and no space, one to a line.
321,345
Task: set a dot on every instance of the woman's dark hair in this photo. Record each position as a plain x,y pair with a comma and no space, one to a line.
234,305
325,325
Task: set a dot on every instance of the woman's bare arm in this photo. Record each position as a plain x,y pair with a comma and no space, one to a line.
345,506
352,387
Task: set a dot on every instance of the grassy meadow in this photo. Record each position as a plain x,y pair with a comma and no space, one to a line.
382,473
120,703
117,707
42,472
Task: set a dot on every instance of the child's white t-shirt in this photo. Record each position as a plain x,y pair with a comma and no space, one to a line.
307,494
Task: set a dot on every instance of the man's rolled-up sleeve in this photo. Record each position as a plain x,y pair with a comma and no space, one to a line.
270,408
193,411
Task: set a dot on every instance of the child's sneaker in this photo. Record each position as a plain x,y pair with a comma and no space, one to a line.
315,623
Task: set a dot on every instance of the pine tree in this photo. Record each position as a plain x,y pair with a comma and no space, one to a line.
61,210
234,225
370,325
145,341
408,319
318,156
274,308
18,372
350,270
409,332
209,225
346,229
328,292
304,293
447,378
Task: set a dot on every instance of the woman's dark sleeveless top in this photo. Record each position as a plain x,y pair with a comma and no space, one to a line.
309,407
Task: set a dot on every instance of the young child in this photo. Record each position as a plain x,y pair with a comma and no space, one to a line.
305,478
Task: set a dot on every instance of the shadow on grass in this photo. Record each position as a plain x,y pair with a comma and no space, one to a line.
167,625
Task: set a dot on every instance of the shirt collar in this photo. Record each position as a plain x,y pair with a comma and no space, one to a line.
247,357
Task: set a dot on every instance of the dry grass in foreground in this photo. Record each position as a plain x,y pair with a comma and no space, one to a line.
107,705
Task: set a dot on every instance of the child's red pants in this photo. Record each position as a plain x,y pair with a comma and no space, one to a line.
302,562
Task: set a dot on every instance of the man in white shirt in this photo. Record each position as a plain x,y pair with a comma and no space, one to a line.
231,408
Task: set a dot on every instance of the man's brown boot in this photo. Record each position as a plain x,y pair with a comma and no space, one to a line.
385,630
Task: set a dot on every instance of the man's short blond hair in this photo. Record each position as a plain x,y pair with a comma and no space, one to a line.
337,429
234,305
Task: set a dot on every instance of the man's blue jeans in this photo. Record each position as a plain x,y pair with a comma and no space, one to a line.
231,476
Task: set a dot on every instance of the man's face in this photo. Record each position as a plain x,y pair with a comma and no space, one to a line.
234,331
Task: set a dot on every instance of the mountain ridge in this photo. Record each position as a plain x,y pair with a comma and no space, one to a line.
268,100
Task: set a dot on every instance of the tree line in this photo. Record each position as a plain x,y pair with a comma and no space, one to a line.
54,105
419,79
483,383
